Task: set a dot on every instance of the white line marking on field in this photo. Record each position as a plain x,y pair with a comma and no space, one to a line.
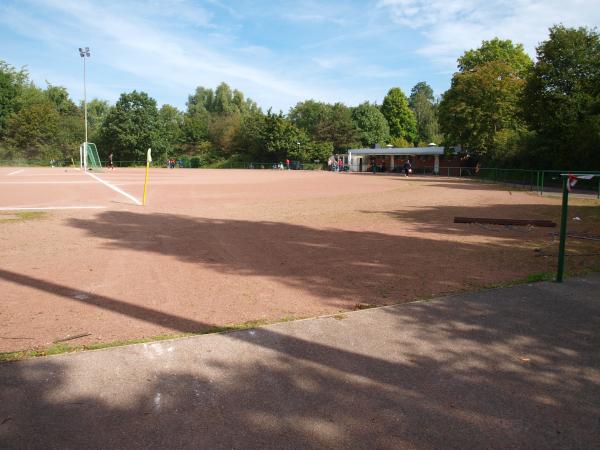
46,182
114,188
15,172
19,208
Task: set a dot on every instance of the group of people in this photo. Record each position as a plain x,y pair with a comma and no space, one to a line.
280,165
335,164
171,163
406,167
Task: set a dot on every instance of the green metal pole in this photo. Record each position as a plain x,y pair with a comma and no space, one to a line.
563,232
542,184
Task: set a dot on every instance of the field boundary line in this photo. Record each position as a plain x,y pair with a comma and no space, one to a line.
15,172
46,182
115,188
33,208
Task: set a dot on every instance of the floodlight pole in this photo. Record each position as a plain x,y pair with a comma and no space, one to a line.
85,52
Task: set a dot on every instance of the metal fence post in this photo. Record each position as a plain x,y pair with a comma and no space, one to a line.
563,231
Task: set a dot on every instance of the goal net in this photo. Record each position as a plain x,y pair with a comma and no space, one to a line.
90,160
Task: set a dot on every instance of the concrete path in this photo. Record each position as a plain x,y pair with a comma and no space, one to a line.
505,368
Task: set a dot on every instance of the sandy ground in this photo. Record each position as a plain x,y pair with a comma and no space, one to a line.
218,247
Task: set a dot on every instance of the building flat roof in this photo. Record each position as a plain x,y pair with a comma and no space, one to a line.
407,151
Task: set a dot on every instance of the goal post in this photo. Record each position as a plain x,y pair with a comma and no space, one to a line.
88,154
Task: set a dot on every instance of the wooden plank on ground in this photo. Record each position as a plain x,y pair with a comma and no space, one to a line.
492,221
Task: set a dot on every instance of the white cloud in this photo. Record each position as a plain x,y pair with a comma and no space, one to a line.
134,38
451,27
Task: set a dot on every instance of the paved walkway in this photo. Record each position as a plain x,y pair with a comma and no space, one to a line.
505,368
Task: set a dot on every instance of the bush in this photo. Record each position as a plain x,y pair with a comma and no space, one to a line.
195,162
185,161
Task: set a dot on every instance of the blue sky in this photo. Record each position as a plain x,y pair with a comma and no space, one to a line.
277,53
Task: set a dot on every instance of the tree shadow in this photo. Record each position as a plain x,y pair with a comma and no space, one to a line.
512,371
325,270
440,219
340,267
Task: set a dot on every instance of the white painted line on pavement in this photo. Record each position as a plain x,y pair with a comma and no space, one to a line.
15,172
33,208
115,188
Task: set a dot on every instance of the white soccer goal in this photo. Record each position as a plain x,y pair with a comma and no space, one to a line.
88,157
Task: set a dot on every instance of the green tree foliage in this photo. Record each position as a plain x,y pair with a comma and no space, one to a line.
59,96
421,89
11,83
33,129
318,151
131,127
223,100
38,124
399,116
307,115
481,104
222,131
195,127
171,128
422,103
496,50
561,101
481,110
371,124
272,137
97,110
336,126
211,124
281,139
326,123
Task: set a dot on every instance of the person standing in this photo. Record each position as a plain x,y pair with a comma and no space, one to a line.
407,167
340,164
287,164
110,162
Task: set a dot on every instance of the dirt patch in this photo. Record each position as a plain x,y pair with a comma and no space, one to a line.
214,248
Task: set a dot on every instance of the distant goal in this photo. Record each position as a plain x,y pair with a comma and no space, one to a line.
89,158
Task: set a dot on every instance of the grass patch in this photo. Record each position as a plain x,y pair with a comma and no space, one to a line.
20,216
531,278
59,348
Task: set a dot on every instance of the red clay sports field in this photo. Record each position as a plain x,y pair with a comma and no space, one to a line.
80,256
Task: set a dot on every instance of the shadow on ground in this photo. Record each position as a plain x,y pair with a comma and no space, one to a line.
341,267
326,270
516,371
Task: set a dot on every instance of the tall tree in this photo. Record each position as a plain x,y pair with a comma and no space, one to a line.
201,101
399,116
33,130
422,102
222,131
496,50
371,124
336,126
11,83
481,110
97,110
561,101
421,89
131,127
307,115
171,127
